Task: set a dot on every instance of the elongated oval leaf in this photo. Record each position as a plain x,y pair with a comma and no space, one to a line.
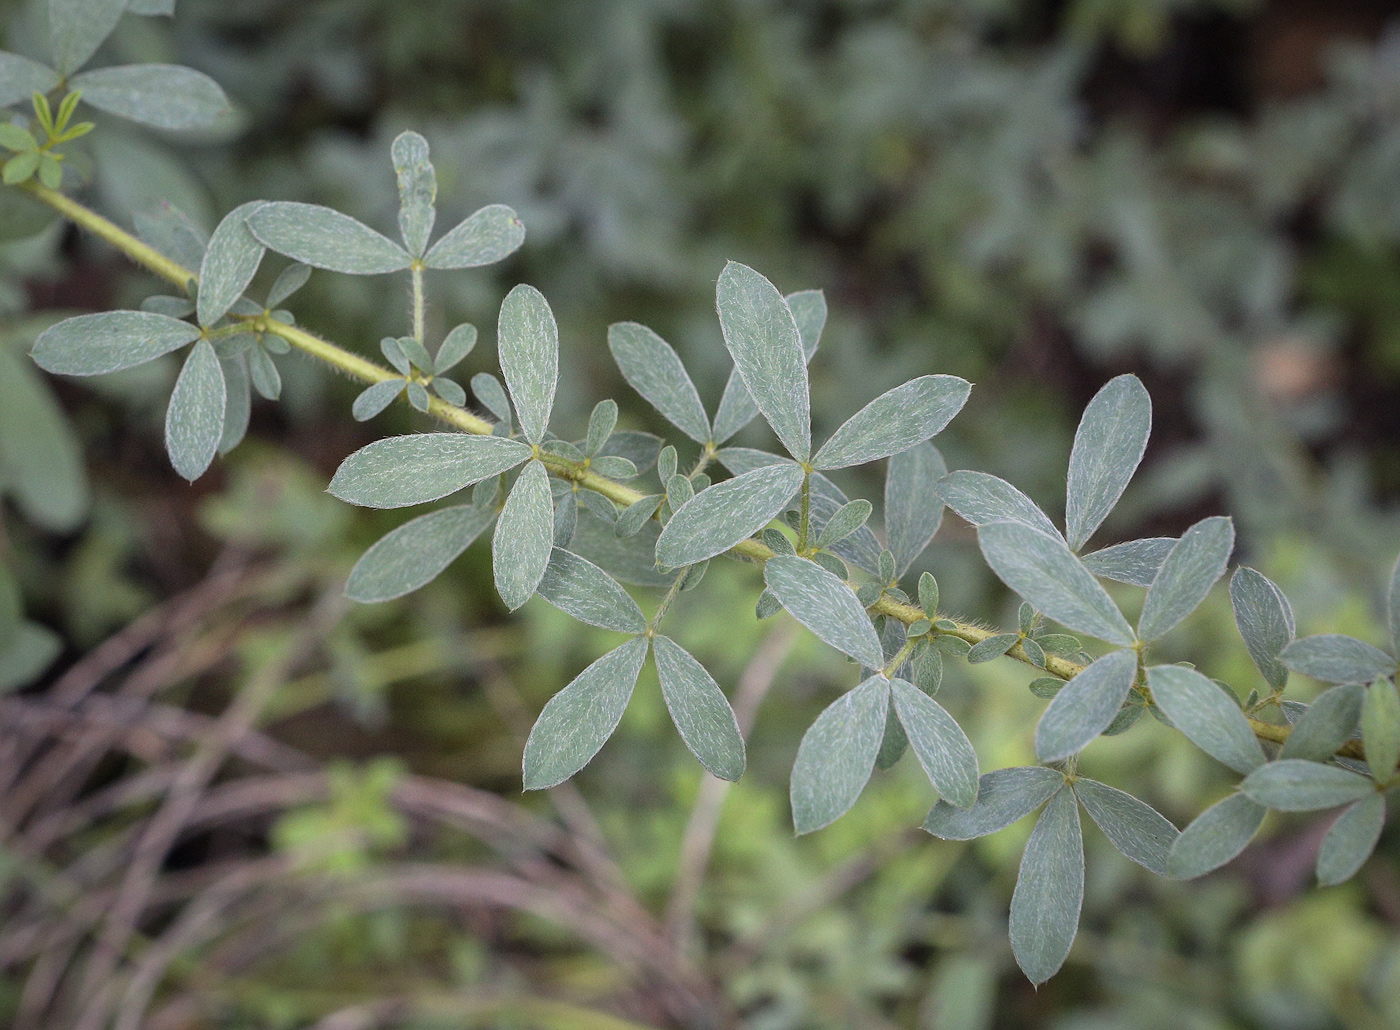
194,421
716,519
416,553
1265,621
1108,446
1215,837
1041,569
825,605
1350,841
40,454
165,96
981,499
1327,724
736,407
230,262
490,235
21,78
699,709
422,467
324,238
1085,707
895,421
1049,890
1134,827
78,27
1380,729
238,402
524,537
913,507
1133,561
1003,797
1192,567
654,370
940,744
577,586
417,190
1295,785
837,754
90,345
1200,709
763,340
1335,658
580,718
528,339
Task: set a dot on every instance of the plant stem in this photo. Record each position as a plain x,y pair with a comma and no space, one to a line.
356,367
417,271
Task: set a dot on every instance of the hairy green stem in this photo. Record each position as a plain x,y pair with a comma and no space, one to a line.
418,303
356,367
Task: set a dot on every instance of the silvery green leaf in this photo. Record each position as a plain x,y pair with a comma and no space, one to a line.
78,27
1003,797
563,449
641,449
598,504
893,744
762,338
699,709
490,235
266,379
601,423
940,744
1208,718
374,399
172,232
524,537
981,499
832,564
455,346
613,467
1085,707
913,507
422,467
1350,841
736,407
164,96
90,345
21,216
678,491
151,7
449,391
21,78
1335,658
630,560
837,754
1108,446
1326,725
288,281
1135,828
417,190
1035,654
395,354
42,465
926,667
576,586
1049,890
416,553
718,518
895,421
739,460
1042,570
1380,729
928,594
170,307
844,521
238,402
324,238
528,340
230,261
654,370
992,647
31,650
1296,785
767,605
1392,606
1135,562
580,718
1215,837
565,515
1192,567
194,421
825,605
1265,621
492,395
825,499
637,515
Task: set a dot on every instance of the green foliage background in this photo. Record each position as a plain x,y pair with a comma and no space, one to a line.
1033,196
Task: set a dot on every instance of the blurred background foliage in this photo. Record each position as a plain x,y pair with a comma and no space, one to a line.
1033,195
